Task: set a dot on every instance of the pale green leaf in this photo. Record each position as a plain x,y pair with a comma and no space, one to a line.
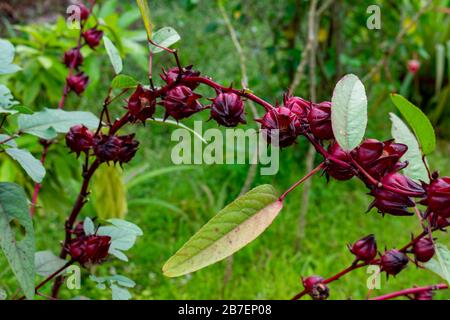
32,166
119,293
88,226
145,13
6,58
45,124
349,112
400,132
441,264
47,263
418,121
15,215
122,81
231,229
10,143
165,37
114,55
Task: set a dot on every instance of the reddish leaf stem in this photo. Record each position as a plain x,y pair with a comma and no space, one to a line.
405,292
295,185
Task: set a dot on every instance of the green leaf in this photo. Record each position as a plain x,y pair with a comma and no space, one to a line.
349,112
45,124
47,263
418,121
441,265
145,13
88,226
6,58
32,166
10,143
119,293
15,217
165,37
113,54
123,236
231,229
6,100
400,132
122,81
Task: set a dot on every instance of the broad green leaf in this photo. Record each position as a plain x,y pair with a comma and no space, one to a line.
14,218
441,264
145,13
231,229
122,81
400,132
88,226
6,58
418,121
6,100
349,112
123,236
113,54
47,263
45,124
109,193
165,37
10,143
32,166
119,293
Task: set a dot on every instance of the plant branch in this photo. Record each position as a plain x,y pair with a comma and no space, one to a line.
405,292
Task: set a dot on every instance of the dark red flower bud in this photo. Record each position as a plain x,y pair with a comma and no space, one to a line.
107,148
337,170
299,106
79,139
437,221
93,37
78,82
88,250
78,231
181,102
364,249
423,249
142,104
319,119
128,148
377,158
84,12
413,66
228,109
395,203
424,295
316,288
73,58
173,74
283,120
438,197
393,261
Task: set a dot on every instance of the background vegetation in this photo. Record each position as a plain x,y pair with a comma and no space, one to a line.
170,207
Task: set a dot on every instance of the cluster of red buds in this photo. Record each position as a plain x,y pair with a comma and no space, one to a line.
106,148
88,249
73,59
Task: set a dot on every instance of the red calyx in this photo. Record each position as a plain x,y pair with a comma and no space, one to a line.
141,104
423,249
173,75
319,119
316,288
93,37
438,197
393,261
299,106
79,139
364,249
336,170
181,102
73,58
78,82
88,250
283,120
228,109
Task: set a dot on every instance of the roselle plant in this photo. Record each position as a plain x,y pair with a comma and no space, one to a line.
395,171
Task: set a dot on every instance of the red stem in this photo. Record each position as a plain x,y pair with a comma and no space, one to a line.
295,185
440,286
